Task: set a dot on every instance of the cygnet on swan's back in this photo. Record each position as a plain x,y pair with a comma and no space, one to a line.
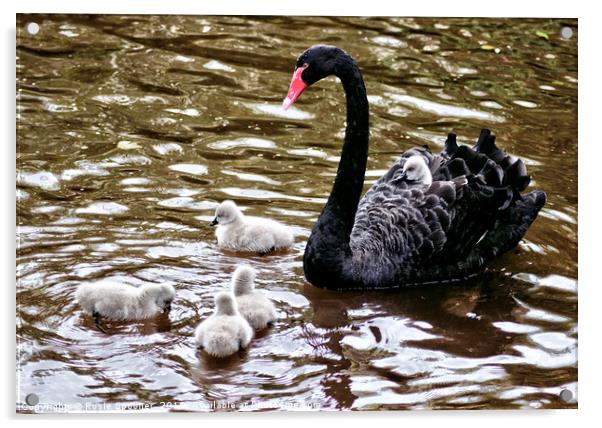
238,232
257,309
117,301
416,171
225,332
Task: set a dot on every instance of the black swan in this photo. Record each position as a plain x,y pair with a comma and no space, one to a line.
405,233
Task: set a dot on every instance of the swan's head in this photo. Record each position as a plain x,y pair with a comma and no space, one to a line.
161,294
243,280
224,304
225,213
415,169
314,64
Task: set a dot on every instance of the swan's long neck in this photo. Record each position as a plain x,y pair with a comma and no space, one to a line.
328,254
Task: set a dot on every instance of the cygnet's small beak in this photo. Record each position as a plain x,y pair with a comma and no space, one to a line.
213,222
403,175
167,308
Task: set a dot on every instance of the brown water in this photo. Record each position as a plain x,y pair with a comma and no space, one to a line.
131,129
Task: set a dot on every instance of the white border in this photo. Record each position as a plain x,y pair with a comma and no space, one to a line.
589,165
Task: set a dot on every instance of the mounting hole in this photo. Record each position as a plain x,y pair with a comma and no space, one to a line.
32,399
32,28
566,395
566,32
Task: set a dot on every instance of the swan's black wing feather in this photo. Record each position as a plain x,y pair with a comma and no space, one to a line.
407,234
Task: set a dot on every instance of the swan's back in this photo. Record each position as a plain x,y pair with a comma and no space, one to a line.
473,211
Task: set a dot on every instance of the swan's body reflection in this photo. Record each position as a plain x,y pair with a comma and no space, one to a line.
400,336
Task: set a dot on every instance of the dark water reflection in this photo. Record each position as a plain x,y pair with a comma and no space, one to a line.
131,129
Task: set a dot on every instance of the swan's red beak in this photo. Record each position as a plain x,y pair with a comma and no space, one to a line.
296,88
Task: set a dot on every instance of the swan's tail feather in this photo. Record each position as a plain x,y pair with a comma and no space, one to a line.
492,173
503,197
450,144
473,159
485,160
516,176
486,145
480,146
514,170
494,181
511,227
457,168
492,151
507,177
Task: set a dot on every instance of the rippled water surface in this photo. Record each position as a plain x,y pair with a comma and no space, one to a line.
131,129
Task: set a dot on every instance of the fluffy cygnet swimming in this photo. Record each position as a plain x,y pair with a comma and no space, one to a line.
417,171
117,301
238,232
257,309
225,332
